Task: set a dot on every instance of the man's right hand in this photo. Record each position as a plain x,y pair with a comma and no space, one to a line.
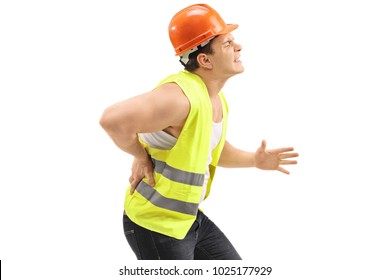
139,170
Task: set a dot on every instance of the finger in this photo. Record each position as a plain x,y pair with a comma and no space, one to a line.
149,177
282,150
132,188
288,162
262,147
288,155
133,184
281,169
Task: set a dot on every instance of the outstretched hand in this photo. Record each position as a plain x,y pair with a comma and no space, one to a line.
139,170
273,159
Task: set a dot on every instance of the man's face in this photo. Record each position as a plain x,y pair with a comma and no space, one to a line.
226,55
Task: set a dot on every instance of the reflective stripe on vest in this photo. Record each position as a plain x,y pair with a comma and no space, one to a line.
177,175
168,203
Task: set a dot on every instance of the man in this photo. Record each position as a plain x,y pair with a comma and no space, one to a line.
176,134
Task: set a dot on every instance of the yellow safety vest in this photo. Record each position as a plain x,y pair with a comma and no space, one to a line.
171,206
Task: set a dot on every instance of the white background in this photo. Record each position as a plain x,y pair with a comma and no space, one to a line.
317,78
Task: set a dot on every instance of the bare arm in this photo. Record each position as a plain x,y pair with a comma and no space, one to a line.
262,158
165,106
232,157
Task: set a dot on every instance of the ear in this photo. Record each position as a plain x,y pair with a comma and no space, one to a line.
204,61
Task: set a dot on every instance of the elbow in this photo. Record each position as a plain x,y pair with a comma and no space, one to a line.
115,125
105,120
109,122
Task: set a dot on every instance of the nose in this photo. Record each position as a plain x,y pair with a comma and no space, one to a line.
237,47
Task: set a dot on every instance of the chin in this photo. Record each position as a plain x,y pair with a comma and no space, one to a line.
242,69
239,67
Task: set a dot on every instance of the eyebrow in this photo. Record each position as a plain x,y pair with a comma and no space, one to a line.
228,40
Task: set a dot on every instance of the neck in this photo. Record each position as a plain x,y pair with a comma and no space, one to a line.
214,84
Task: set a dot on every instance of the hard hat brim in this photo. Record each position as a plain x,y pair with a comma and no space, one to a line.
229,28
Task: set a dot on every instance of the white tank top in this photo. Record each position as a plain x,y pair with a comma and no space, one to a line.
164,141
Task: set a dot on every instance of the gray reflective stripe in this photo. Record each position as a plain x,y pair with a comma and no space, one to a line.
157,199
177,175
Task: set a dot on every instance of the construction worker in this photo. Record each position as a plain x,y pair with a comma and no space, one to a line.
176,134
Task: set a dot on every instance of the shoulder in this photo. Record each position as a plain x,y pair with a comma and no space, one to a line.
187,82
170,102
171,93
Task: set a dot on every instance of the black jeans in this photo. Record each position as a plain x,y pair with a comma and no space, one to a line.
204,241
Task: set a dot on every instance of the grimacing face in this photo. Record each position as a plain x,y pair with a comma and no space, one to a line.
226,55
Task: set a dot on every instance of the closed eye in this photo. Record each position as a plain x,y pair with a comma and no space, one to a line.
228,43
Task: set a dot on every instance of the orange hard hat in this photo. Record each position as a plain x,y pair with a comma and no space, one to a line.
195,25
